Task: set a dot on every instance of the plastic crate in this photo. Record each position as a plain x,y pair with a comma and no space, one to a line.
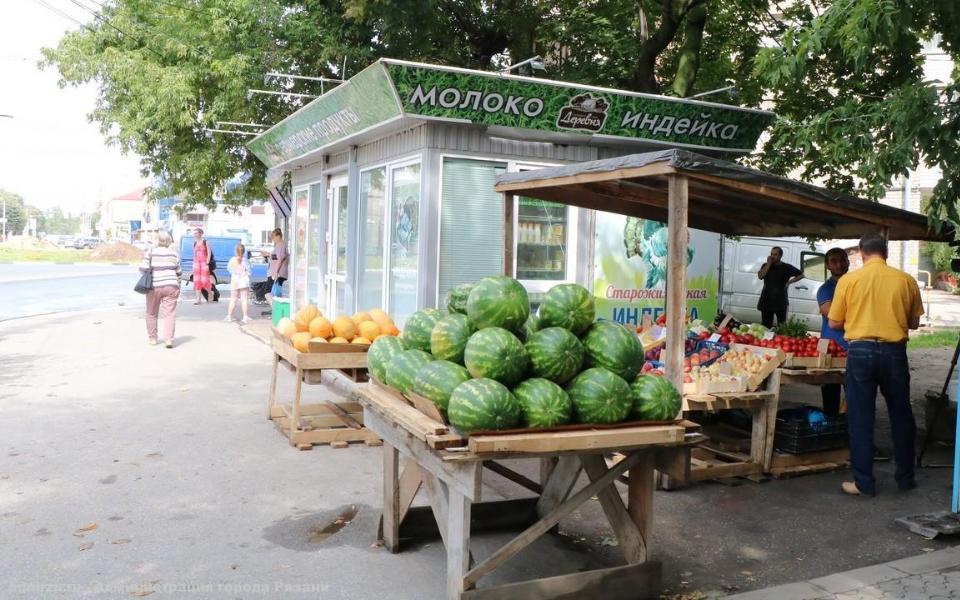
281,309
796,435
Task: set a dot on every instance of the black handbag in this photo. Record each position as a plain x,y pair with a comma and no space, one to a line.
146,280
212,263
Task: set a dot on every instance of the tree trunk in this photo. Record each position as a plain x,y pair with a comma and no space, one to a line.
689,61
645,78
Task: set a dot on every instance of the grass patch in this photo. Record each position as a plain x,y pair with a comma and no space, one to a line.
8,254
938,339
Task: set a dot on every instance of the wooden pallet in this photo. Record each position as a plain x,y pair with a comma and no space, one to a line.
792,465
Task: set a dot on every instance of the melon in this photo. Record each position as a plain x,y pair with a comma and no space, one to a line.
381,351
495,353
498,302
419,327
437,380
614,347
321,327
449,337
600,396
555,354
404,367
344,327
654,398
483,404
543,403
567,305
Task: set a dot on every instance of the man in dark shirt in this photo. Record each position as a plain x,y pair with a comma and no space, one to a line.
776,276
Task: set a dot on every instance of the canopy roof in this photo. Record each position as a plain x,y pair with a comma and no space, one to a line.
724,197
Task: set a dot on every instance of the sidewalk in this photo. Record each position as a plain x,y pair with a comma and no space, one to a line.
931,576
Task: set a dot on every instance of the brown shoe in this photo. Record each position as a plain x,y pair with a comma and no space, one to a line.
850,487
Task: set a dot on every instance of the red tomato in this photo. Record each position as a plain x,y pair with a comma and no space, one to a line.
704,335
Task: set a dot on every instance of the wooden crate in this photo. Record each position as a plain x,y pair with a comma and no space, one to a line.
806,362
776,359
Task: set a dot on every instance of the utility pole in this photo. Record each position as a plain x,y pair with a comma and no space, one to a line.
4,238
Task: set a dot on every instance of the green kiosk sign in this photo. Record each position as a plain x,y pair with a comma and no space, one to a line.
390,89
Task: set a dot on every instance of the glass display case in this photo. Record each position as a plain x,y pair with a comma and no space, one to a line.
543,237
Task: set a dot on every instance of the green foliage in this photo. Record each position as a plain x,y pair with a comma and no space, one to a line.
18,211
847,81
55,222
794,327
940,254
946,338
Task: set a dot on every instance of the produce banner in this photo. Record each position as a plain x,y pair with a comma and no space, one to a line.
630,267
362,102
389,89
494,99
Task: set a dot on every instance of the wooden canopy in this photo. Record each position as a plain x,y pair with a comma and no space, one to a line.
724,197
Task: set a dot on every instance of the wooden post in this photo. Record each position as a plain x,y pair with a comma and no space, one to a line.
458,542
273,387
391,498
508,200
640,497
676,277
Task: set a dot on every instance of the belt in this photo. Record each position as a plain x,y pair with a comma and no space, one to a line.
876,341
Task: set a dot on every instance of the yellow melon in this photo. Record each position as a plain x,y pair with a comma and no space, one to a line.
361,317
339,340
301,341
286,327
344,327
391,329
361,340
368,329
379,317
309,313
321,327
318,340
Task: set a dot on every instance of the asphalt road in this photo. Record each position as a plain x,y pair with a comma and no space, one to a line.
40,288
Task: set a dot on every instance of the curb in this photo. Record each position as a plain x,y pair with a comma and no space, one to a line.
851,581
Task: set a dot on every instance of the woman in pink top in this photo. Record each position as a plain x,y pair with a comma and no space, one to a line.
201,266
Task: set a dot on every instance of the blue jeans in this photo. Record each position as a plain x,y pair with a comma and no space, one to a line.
871,365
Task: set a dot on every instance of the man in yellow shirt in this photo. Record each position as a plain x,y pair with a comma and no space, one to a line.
876,306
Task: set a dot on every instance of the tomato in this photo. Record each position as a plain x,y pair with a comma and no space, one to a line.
704,335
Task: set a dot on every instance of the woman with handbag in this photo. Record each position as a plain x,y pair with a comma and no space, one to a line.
201,266
239,283
162,266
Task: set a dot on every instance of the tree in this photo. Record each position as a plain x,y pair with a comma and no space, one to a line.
16,210
55,222
169,70
855,111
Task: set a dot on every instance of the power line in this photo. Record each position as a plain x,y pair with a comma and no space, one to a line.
61,13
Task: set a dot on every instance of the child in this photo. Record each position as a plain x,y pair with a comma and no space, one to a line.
239,283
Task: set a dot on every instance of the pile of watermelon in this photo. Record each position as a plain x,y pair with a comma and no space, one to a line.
489,363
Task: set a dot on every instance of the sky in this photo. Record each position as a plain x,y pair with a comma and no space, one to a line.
49,153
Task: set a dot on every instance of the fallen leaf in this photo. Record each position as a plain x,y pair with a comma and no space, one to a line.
86,546
89,527
141,593
747,573
120,541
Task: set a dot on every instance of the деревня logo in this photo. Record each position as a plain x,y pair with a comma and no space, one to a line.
584,112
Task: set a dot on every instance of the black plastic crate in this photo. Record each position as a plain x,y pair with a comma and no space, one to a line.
796,435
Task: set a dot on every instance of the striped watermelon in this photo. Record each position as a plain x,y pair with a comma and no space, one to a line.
403,368
496,353
498,302
555,354
457,298
567,305
449,337
600,396
419,326
437,380
480,404
544,403
380,353
654,399
531,325
614,347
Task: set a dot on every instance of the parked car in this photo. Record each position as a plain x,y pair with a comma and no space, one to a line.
223,249
85,243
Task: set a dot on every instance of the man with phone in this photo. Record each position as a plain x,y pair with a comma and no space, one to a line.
776,276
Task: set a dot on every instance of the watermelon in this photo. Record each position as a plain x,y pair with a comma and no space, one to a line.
498,302
614,347
544,403
404,367
380,353
531,325
437,380
457,298
600,396
654,399
482,404
555,354
417,329
567,305
449,337
496,353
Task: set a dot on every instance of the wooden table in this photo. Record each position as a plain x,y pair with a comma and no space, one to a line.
325,423
415,458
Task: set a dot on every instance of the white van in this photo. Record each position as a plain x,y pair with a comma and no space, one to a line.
740,287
